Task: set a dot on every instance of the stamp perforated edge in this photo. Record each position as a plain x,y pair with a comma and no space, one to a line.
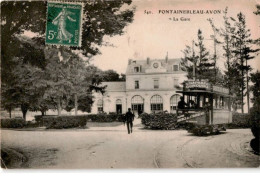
81,20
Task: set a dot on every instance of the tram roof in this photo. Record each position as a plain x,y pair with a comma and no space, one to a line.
203,92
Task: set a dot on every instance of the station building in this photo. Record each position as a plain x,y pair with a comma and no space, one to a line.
150,86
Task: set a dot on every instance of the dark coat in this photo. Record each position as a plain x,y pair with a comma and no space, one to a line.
129,117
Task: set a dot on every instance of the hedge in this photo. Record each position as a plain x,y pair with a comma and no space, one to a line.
104,117
13,123
161,120
40,119
239,120
59,122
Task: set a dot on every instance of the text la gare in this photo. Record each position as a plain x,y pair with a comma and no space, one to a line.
179,19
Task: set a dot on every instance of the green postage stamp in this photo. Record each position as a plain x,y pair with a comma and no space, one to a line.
63,25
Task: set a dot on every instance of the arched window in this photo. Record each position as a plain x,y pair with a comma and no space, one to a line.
137,103
174,102
118,101
156,103
137,99
100,105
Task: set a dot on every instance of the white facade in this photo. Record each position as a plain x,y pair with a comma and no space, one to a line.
150,85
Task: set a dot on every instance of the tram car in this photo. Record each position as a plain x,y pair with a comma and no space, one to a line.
207,107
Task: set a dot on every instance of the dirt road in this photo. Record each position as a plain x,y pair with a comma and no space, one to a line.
114,148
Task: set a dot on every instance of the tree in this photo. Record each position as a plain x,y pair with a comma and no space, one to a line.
205,64
230,74
255,111
243,52
257,12
101,18
189,61
198,61
255,78
111,75
226,33
23,88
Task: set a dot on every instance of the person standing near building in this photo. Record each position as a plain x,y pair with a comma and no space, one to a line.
129,120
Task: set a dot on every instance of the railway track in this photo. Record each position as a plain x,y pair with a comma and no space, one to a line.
156,159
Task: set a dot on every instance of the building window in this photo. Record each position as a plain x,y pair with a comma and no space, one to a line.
175,67
156,103
137,103
174,102
156,84
136,69
100,106
136,84
118,106
175,82
137,99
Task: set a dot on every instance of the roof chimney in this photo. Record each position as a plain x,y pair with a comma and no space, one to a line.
148,60
129,61
166,58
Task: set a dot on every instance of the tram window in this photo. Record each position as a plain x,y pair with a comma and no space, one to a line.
225,103
201,101
216,102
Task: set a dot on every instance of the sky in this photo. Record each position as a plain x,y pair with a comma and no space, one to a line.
153,35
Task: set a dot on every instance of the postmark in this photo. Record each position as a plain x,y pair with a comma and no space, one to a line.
63,25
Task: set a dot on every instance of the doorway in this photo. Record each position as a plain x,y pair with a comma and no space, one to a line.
137,103
118,108
138,108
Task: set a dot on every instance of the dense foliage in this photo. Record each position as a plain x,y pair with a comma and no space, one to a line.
238,48
60,122
101,117
255,111
239,120
159,121
38,77
197,58
12,123
104,117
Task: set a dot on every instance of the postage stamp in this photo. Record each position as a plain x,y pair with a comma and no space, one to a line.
63,25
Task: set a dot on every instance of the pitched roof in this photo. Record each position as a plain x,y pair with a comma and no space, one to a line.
114,86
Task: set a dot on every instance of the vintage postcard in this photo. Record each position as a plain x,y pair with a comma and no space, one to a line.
130,84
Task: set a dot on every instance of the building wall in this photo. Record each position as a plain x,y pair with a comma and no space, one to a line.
109,101
168,79
147,95
146,81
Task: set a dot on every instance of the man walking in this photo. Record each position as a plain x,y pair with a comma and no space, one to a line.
129,120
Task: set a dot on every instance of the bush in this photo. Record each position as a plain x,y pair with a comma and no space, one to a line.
240,120
162,121
255,128
39,119
59,122
121,118
12,123
104,117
